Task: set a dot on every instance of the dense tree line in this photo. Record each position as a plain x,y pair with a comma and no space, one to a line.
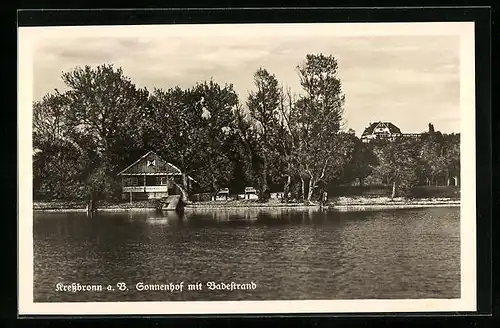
433,159
273,139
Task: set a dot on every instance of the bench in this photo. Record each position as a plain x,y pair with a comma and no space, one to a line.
249,191
223,192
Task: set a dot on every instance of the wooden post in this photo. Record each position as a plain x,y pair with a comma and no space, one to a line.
130,197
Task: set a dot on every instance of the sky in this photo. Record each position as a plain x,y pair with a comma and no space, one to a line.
408,80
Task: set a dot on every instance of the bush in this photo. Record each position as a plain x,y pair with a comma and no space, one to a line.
435,192
362,191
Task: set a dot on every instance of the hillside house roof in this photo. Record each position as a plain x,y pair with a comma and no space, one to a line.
392,128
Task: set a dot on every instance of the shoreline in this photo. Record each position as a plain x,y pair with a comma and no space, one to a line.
342,204
352,208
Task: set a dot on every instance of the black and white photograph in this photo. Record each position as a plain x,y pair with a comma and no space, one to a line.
247,168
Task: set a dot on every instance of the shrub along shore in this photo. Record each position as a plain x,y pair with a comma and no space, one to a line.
340,203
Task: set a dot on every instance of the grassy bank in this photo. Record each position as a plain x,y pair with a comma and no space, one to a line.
352,201
420,192
81,206
374,203
58,205
345,203
245,203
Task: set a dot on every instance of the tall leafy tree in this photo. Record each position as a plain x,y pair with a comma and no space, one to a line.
362,163
248,147
264,108
194,129
97,118
58,171
287,140
452,157
321,150
432,155
174,128
397,164
217,137
49,119
105,106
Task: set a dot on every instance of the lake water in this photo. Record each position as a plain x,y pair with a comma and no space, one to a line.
287,254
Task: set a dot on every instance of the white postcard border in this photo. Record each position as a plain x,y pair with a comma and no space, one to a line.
26,306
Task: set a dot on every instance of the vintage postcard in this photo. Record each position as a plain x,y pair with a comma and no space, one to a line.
247,168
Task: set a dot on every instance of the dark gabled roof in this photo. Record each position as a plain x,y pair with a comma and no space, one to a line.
159,166
163,166
392,128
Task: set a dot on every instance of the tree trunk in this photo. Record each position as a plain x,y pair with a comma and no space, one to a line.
184,181
286,188
91,205
393,189
324,197
311,189
263,183
183,192
215,188
263,191
303,189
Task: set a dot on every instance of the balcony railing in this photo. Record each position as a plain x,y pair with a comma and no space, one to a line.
145,189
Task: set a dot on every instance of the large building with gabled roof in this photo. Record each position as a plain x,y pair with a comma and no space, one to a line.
384,130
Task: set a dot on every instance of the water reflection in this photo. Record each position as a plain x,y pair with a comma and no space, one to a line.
288,253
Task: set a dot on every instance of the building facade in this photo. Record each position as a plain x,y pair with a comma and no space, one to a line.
151,177
385,131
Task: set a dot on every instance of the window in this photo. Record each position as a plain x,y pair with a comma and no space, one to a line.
164,181
130,182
